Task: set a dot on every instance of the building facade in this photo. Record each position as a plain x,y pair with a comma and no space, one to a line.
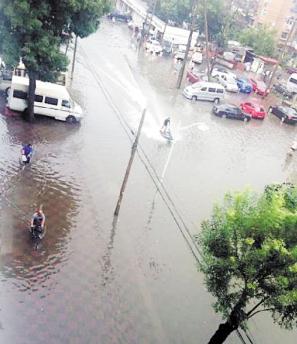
279,15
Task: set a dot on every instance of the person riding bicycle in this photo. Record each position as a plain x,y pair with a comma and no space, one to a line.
38,220
27,150
166,126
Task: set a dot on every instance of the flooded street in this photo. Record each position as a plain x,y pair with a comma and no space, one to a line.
92,280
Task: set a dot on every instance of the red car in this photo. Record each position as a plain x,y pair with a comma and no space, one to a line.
195,76
259,87
254,109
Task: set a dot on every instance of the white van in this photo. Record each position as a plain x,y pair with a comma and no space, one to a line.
50,100
292,83
205,91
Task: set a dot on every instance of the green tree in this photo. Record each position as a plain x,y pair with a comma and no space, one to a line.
250,257
262,39
35,29
175,10
223,20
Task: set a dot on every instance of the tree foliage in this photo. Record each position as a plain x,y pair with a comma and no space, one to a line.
250,257
262,39
35,29
175,10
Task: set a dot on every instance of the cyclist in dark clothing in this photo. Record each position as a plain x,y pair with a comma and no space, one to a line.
38,220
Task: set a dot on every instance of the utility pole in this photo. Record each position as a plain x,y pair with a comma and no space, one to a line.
290,34
206,39
152,14
268,87
133,151
74,57
182,70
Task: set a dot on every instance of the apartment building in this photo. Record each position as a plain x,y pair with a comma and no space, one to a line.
279,15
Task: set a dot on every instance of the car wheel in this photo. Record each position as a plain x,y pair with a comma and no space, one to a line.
216,100
194,98
245,119
224,115
282,119
270,109
71,119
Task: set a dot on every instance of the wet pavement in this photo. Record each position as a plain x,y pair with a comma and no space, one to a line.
92,280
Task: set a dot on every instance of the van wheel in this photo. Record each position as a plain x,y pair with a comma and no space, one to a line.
216,101
71,119
194,98
7,91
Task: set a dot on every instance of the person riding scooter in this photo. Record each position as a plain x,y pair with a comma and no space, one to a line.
27,151
38,222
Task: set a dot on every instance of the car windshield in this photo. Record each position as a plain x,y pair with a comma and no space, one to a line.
291,112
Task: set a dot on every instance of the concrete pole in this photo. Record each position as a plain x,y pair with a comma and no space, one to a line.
272,77
133,151
182,70
291,33
206,39
73,58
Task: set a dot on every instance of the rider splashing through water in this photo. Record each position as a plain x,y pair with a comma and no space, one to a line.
38,221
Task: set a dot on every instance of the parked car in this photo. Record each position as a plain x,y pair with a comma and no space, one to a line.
230,111
153,46
244,85
205,91
254,109
180,54
259,87
197,57
228,82
122,17
219,71
194,76
282,89
284,113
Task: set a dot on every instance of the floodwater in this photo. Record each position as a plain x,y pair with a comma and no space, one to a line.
135,280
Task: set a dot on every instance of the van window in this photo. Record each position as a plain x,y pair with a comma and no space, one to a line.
66,103
293,81
38,99
211,89
203,89
220,90
51,101
20,94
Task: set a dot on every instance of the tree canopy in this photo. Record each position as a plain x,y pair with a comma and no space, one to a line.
175,10
262,39
250,257
35,29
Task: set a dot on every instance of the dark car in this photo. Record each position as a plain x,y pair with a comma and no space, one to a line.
122,17
230,111
284,113
282,89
